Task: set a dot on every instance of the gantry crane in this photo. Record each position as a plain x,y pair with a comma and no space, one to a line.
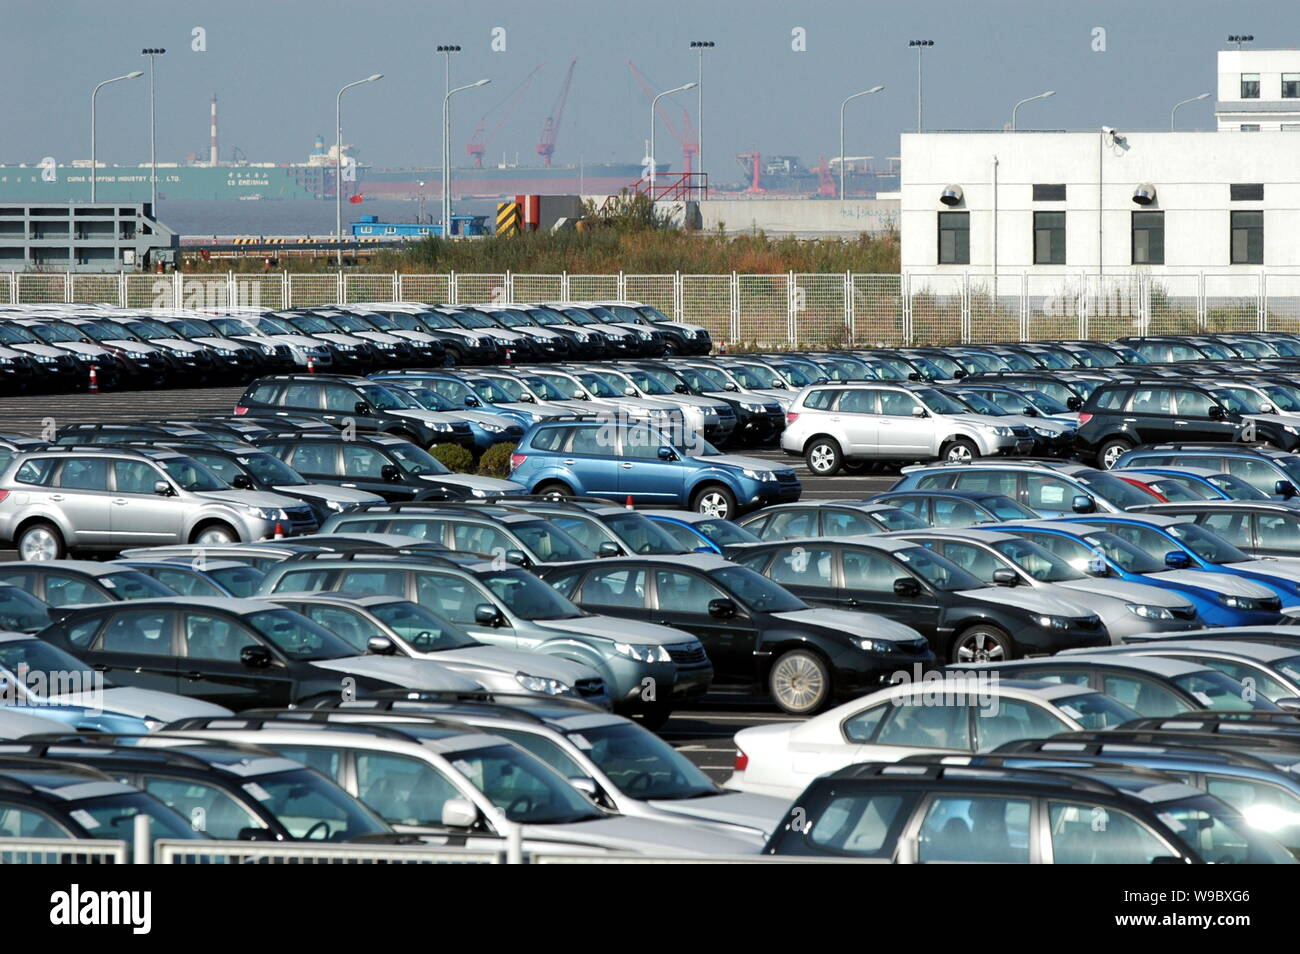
550,128
686,135
478,142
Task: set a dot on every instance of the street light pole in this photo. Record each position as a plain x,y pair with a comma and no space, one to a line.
94,94
701,46
152,53
654,103
338,161
920,46
1028,99
865,92
1194,99
446,153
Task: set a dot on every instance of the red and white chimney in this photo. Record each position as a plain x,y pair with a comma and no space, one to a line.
213,157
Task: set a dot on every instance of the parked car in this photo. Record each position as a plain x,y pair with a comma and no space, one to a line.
1049,489
201,577
1272,472
700,533
955,508
827,518
78,582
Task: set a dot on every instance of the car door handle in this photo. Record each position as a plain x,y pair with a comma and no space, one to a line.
120,501
627,466
193,675
570,462
1180,422
56,497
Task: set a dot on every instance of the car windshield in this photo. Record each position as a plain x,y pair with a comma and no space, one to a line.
652,313
1114,490
705,379
134,585
566,388
229,327
102,332
113,817
352,323
579,317
240,581
1219,834
648,383
1175,490
1042,565
193,328
641,764
755,376
1284,397
1125,555
428,399
1206,544
58,333
1239,400
192,475
1289,667
310,324
550,543
527,597
947,365
1236,488
20,612
542,387
894,518
641,534
1218,691
936,571
937,402
597,386
415,460
424,631
1047,404
981,405
1092,710
510,389
14,334
795,375
489,392
669,379
757,592
312,808
61,671
269,470
298,637
724,532
525,788
388,399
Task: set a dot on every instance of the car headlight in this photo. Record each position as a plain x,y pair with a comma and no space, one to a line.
869,645
1004,432
267,513
643,335
1053,622
503,342
441,428
1239,602
226,352
1149,612
492,428
762,476
268,350
754,408
346,347
1045,432
336,505
551,687
477,492
1289,429
643,653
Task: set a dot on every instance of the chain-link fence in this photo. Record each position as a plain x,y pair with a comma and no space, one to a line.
766,311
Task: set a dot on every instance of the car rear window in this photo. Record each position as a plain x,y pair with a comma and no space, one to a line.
550,438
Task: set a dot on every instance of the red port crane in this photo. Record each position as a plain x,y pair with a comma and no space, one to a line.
752,163
690,142
478,142
546,148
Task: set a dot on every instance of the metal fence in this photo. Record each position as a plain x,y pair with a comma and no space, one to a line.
183,852
773,311
62,851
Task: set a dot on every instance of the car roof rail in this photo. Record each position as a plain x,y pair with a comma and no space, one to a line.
287,718
18,762
936,767
1102,749
41,743
546,498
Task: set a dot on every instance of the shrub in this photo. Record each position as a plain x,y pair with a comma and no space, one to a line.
495,461
454,457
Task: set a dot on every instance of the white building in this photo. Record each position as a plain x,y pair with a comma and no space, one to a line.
1258,91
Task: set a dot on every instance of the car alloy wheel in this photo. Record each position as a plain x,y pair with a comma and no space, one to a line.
39,543
982,644
799,682
714,504
821,459
959,453
216,537
1111,453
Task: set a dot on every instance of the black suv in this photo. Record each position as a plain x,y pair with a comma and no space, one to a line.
965,619
391,467
366,406
757,634
1118,417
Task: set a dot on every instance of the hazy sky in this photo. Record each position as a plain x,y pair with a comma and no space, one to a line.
276,68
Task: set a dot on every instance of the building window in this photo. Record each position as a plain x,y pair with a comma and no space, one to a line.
1250,127
1049,238
1148,238
1290,127
1291,85
1049,193
1247,238
1250,86
954,238
1246,192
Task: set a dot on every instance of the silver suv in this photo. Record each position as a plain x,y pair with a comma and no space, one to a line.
105,498
837,423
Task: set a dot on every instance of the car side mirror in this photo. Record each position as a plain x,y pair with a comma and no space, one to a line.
681,389
667,453
485,614
1217,412
914,376
256,834
459,813
241,482
391,473
609,549
1030,411
1284,489
1082,503
1267,408
1097,568
1074,403
527,399
381,646
581,396
162,488
1177,560
1006,577
587,785
472,401
1289,703
362,408
906,587
722,608
918,411
255,657
517,558
959,373
730,386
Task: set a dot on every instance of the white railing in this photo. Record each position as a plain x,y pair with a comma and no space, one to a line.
185,852
777,311
62,851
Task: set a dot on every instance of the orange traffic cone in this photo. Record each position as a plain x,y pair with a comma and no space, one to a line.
629,502
311,365
508,352
279,531
722,348
94,380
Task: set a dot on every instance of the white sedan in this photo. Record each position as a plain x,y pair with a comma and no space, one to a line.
944,712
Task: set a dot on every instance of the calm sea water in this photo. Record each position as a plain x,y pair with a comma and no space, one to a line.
297,217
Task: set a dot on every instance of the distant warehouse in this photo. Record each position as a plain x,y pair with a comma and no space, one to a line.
83,237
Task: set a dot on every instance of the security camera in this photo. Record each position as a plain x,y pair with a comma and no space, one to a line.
1108,130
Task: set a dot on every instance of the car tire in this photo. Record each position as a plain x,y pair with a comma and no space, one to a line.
40,541
215,535
715,500
823,457
654,716
960,451
1110,452
799,682
856,466
982,643
553,488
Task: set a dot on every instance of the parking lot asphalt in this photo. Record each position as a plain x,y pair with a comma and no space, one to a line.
702,732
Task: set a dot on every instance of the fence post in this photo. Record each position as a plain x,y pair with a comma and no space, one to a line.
1261,305
507,287
964,322
142,845
13,288
1202,307
284,288
905,294
850,313
453,292
679,306
734,297
340,288
622,286
397,286
67,288
178,289
564,285
791,311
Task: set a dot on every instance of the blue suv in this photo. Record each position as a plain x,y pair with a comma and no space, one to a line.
605,457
